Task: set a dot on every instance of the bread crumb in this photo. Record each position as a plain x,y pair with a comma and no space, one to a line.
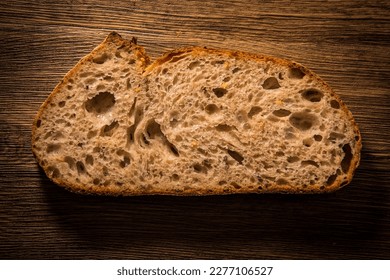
194,144
279,102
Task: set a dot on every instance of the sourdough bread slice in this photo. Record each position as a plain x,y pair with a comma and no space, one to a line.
197,121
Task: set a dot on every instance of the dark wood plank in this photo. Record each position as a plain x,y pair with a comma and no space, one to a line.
346,42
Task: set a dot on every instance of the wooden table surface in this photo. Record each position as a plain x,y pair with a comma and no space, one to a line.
345,42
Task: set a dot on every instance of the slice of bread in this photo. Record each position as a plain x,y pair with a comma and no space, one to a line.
197,121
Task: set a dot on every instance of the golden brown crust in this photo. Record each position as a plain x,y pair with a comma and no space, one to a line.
116,39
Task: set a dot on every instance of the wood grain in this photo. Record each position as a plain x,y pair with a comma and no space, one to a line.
345,42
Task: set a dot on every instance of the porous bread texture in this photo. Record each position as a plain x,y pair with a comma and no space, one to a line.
197,122
80,128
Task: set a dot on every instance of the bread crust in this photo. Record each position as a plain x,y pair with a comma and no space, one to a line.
148,69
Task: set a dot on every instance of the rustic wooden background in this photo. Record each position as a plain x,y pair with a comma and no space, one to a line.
346,42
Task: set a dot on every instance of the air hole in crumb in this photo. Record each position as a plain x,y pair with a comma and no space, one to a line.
235,70
290,135
100,103
108,130
217,62
100,87
70,161
174,149
53,172
317,137
173,118
153,129
175,80
236,156
282,182
175,177
211,108
145,140
312,95
254,111
271,83
128,84
292,159
125,162
89,159
80,167
85,74
308,142
236,186
281,113
100,59
39,122
91,134
309,162
241,116
61,104
119,54
226,79
331,179
333,136
346,162
96,181
224,128
221,183
279,154
53,148
295,73
90,81
48,134
193,64
302,120
199,168
219,92
126,158
334,104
